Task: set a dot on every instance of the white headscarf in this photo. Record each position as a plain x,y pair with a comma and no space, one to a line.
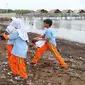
19,25
11,28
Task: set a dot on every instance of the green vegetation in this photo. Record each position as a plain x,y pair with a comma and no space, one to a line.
6,11
14,11
22,11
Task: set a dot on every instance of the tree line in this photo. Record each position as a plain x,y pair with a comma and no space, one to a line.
14,11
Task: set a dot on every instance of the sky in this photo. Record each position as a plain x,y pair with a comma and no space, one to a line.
42,4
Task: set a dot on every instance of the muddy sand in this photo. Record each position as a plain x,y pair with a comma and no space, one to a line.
48,70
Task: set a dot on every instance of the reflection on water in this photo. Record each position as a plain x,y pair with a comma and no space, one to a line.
68,29
73,30
37,23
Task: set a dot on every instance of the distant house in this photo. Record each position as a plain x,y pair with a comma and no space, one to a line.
79,11
41,11
67,11
82,11
54,11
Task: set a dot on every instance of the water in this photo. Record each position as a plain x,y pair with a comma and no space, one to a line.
73,30
78,25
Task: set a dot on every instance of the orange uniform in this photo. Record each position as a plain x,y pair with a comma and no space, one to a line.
9,50
17,64
18,67
48,46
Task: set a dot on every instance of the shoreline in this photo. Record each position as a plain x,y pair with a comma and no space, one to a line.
67,47
33,34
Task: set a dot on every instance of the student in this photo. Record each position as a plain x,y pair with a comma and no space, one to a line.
19,50
50,38
9,30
